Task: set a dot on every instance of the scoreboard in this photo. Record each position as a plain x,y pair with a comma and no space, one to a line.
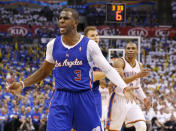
115,12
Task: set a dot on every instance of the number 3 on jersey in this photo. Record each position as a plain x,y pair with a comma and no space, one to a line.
78,75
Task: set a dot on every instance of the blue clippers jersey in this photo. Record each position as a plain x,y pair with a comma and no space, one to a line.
72,71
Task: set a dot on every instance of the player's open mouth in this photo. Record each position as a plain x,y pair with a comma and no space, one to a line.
62,29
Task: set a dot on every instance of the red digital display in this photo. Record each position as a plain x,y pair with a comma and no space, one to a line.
115,12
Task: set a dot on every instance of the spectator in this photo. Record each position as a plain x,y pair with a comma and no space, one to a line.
156,126
36,116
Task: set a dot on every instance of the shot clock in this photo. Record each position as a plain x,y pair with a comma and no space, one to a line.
115,12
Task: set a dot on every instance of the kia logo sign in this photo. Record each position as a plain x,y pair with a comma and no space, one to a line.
17,30
138,32
162,32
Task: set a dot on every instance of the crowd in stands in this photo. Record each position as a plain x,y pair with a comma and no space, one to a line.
160,57
29,16
96,15
27,111
173,6
142,17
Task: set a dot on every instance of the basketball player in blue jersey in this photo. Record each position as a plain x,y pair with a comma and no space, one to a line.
91,33
129,112
71,56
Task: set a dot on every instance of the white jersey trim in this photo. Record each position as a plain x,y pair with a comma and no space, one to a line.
49,51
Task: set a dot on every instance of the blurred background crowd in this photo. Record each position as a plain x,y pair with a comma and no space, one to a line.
26,27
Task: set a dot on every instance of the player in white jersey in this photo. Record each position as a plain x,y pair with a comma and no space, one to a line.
120,110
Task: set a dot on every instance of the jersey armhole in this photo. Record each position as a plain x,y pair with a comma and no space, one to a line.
123,62
140,64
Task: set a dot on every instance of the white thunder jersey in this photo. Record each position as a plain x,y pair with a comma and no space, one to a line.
105,101
120,110
130,71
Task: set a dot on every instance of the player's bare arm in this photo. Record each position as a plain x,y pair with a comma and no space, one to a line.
98,75
40,74
36,77
146,100
119,64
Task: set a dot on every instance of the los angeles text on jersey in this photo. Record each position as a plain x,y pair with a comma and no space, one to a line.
68,63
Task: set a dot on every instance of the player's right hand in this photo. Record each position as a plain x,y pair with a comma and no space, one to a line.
130,94
15,87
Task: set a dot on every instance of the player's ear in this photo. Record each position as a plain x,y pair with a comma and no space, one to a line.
76,22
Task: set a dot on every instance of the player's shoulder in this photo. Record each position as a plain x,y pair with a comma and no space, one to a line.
51,42
120,59
92,45
139,62
119,63
92,42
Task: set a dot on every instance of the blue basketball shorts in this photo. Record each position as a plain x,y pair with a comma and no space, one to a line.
98,102
73,108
